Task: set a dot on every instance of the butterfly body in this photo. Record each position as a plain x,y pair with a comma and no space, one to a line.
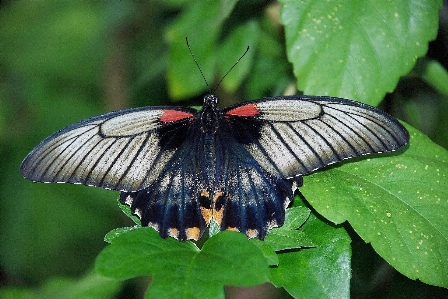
179,168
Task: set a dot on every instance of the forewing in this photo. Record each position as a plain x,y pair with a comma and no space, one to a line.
124,150
293,136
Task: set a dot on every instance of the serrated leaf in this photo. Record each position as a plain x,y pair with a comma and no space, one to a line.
180,269
399,203
356,49
320,272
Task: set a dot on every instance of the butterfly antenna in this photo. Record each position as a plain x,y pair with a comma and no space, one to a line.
202,74
244,54
197,64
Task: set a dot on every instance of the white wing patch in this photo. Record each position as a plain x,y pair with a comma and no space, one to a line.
286,110
131,124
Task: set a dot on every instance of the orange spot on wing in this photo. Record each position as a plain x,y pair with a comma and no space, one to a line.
246,110
193,233
173,232
174,115
206,211
218,213
252,233
207,215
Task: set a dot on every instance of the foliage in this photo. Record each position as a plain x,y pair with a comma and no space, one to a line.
65,61
91,285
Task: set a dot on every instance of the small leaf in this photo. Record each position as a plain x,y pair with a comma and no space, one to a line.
127,210
399,203
295,217
356,49
213,228
180,269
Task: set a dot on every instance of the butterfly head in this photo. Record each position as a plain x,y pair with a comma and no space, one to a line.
210,101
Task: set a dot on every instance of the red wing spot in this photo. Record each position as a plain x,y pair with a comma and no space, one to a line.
248,110
174,115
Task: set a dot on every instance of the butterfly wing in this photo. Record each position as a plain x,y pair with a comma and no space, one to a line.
294,136
124,150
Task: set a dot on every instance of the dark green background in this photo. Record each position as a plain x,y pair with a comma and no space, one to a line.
63,61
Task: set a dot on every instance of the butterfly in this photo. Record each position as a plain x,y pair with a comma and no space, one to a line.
179,168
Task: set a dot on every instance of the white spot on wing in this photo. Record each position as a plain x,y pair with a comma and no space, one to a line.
289,110
133,123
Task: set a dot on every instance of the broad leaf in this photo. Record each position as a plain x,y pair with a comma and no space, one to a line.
356,49
398,203
180,269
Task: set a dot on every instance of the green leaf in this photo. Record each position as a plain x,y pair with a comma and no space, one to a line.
396,202
127,210
232,49
183,77
271,72
180,269
320,272
117,232
356,49
434,74
289,236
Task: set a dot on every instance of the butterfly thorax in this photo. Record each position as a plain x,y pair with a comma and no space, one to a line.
210,114
209,118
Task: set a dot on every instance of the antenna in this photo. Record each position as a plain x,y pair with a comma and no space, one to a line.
197,64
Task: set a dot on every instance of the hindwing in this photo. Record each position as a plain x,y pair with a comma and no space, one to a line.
246,197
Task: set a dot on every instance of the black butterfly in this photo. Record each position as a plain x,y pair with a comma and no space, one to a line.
178,168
